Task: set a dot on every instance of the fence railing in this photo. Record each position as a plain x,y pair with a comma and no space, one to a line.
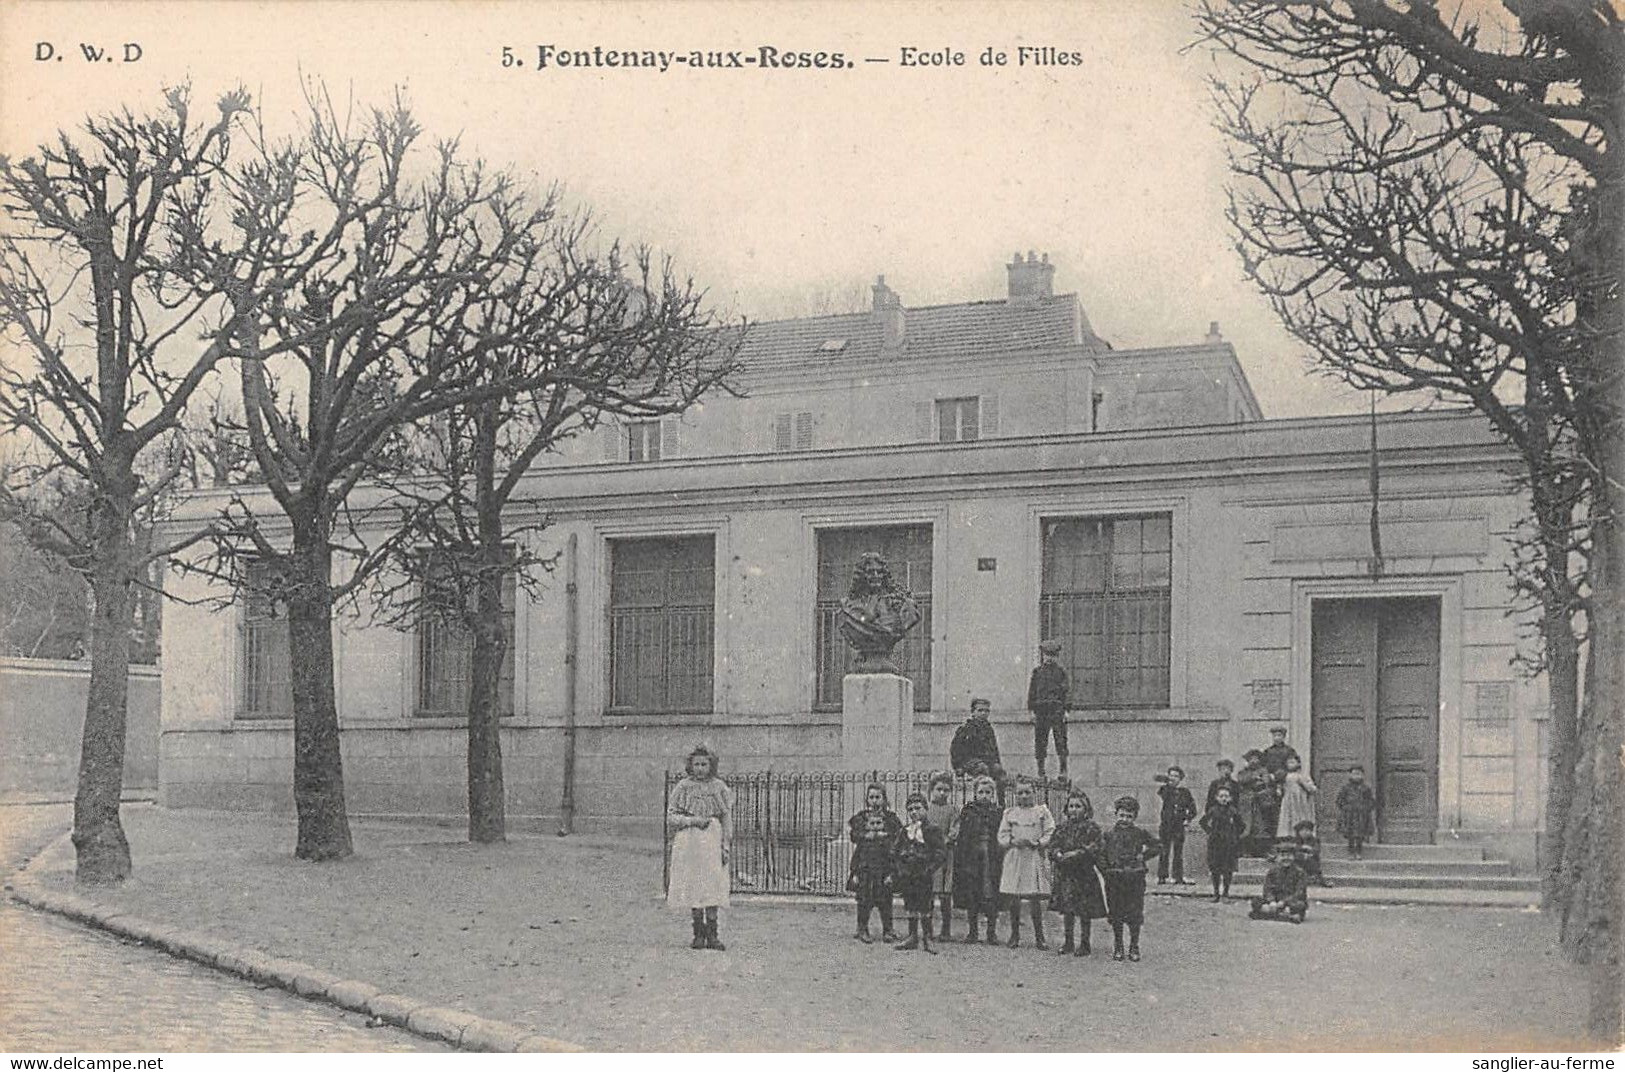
790,826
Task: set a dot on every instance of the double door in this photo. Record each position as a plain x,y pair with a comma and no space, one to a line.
1375,702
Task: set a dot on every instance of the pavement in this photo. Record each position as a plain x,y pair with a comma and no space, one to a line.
544,943
65,987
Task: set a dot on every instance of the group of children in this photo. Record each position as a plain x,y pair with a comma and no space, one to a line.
983,858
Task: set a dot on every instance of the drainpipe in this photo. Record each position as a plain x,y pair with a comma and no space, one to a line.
567,806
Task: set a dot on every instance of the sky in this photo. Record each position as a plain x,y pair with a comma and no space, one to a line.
779,190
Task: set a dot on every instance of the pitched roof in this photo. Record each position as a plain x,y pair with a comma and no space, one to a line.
930,331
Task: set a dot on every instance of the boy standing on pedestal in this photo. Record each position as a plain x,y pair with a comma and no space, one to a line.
1046,699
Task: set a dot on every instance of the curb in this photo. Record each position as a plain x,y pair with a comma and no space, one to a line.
456,1027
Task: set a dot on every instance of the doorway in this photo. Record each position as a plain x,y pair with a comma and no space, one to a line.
1375,702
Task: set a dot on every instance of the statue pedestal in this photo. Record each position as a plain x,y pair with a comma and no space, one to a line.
877,722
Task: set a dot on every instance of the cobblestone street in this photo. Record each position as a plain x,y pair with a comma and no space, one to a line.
65,987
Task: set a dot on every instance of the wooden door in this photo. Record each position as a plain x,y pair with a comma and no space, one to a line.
1407,779
1374,701
1342,700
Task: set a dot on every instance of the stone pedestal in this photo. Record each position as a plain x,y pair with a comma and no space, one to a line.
877,722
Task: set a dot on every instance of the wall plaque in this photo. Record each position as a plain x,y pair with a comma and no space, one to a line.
1492,701
1267,693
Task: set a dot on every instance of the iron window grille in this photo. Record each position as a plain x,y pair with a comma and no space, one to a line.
1106,595
267,665
662,624
445,658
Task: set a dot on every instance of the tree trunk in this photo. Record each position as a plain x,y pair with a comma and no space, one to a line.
1562,737
1591,870
487,808
318,768
102,853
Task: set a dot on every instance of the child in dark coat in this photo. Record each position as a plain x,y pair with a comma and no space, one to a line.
917,851
870,876
1286,890
1254,800
1225,829
978,859
1077,892
1178,808
1125,850
876,804
1047,700
1356,811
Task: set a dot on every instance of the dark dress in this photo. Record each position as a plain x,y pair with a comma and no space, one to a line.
914,861
872,871
973,741
978,859
1225,828
1077,888
1124,850
1356,810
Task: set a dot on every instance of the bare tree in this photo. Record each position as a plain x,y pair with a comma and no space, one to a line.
593,337
111,344
1436,206
388,259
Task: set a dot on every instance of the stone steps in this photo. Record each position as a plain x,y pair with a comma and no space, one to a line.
1336,869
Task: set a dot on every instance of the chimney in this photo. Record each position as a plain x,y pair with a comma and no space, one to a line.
1031,279
1213,336
888,309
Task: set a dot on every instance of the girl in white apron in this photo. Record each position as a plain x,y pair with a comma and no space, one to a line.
700,814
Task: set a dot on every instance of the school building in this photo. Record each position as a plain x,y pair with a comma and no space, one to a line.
1208,572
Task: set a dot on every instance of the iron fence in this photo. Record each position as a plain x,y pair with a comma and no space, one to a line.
790,833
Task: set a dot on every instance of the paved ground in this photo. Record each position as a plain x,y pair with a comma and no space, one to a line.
567,938
64,987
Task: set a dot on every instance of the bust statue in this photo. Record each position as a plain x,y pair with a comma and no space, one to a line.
876,615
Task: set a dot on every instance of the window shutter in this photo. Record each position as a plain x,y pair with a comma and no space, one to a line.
922,421
989,415
614,442
804,431
782,435
668,438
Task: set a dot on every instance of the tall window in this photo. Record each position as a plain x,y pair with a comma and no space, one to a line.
662,622
267,670
643,441
446,659
907,550
1106,596
958,419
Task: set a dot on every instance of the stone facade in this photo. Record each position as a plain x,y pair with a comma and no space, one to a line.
1268,518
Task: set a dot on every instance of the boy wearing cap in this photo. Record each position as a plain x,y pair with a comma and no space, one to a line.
1286,889
1125,848
1178,809
1046,699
